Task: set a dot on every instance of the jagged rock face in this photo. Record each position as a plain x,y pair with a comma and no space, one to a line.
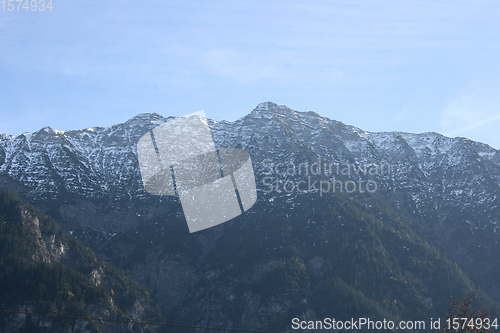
89,180
49,249
102,162
430,175
429,172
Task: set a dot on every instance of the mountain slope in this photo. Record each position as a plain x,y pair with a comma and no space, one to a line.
44,270
352,257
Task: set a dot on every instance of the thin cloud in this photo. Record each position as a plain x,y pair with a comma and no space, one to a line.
474,114
472,127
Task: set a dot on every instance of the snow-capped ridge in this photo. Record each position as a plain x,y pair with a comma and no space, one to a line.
4,136
98,159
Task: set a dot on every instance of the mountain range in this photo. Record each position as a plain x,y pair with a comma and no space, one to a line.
408,221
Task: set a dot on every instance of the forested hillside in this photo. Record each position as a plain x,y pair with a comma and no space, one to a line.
45,270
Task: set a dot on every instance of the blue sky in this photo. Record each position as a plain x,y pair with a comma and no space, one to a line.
412,66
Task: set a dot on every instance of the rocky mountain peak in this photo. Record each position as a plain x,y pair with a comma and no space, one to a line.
4,136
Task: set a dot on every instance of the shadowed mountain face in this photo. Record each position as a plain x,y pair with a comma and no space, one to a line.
387,246
45,270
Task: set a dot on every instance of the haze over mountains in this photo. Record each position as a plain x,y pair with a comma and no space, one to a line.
429,231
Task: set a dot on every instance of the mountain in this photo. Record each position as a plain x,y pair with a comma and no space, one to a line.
427,229
45,270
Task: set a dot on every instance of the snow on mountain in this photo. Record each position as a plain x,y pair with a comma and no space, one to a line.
98,161
451,186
